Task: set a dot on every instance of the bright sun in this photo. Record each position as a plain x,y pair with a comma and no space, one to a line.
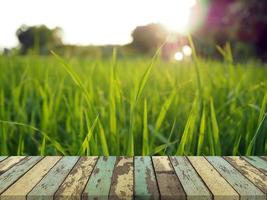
176,18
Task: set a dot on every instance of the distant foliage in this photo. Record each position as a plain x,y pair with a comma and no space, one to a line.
148,38
243,23
38,39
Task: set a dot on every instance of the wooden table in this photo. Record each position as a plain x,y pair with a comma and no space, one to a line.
73,177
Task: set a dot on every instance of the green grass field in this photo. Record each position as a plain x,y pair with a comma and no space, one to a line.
131,107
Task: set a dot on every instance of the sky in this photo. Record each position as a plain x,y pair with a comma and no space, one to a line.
97,22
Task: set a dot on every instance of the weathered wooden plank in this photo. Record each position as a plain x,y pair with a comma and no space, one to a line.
169,185
75,182
247,170
99,183
145,180
217,185
162,164
24,185
242,185
257,162
191,182
9,162
10,176
122,179
2,158
264,157
47,187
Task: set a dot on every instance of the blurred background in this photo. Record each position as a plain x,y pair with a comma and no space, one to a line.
93,28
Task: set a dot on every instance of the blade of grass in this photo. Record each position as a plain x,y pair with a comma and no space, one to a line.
112,104
201,132
75,77
140,88
262,109
103,139
85,145
164,110
215,129
145,146
56,145
261,135
170,135
160,148
188,131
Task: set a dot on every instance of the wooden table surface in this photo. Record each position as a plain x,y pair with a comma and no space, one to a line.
73,177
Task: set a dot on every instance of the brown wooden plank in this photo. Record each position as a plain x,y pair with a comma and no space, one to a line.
75,182
219,187
169,185
9,162
122,179
24,185
247,170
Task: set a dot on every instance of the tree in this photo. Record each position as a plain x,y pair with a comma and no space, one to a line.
243,23
251,22
148,38
40,39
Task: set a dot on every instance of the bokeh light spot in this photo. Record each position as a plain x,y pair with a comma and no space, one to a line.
187,51
178,56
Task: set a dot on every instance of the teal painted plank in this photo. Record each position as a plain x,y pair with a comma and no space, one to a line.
242,185
191,182
48,186
10,176
257,162
9,163
2,158
99,183
145,179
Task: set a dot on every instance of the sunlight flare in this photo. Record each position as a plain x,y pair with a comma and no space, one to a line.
176,18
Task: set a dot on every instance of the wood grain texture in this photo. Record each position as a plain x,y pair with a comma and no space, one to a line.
247,170
257,162
162,164
215,182
133,178
191,182
144,179
122,179
2,158
10,176
99,183
24,185
9,162
242,185
169,185
74,184
47,187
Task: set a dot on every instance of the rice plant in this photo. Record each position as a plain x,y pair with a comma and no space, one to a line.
134,106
